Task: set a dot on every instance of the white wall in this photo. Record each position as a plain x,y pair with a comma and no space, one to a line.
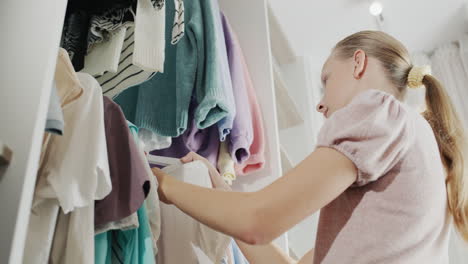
313,27
302,78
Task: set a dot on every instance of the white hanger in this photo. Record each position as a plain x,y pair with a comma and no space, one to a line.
162,161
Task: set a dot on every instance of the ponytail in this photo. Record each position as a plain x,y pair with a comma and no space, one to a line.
449,134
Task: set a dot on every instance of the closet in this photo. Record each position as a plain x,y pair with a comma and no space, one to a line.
31,34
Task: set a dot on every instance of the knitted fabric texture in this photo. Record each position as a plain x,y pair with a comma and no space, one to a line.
190,68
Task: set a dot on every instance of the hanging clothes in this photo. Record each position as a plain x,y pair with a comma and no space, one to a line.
241,136
224,125
130,182
181,232
152,201
105,56
150,35
138,244
127,74
256,160
133,52
75,31
131,246
134,246
178,27
128,222
104,24
161,104
54,121
202,141
67,179
89,23
152,141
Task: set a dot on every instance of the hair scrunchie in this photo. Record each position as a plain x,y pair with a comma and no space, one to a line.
416,75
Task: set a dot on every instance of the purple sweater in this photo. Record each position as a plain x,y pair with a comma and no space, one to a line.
202,141
242,133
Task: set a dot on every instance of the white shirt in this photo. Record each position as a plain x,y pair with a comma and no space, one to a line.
74,172
180,233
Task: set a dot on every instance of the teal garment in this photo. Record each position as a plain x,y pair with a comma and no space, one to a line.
191,67
102,248
134,131
134,246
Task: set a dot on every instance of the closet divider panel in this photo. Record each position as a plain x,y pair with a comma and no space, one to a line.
249,20
30,33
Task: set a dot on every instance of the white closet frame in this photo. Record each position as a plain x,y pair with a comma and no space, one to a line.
30,33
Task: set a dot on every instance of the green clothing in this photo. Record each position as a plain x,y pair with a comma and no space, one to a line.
191,67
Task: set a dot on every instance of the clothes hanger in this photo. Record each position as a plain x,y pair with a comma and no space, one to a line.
162,161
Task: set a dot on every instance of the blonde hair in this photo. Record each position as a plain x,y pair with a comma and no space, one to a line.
440,112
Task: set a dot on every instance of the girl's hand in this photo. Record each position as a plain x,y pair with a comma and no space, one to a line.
216,179
164,181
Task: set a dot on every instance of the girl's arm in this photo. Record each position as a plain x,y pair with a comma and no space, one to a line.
259,217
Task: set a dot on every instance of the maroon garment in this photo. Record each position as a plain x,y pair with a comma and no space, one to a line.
130,183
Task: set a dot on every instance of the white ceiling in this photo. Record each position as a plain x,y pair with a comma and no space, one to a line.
313,27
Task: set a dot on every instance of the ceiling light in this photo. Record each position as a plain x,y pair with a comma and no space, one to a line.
376,8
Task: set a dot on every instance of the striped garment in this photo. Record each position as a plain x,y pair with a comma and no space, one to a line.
127,74
103,24
178,28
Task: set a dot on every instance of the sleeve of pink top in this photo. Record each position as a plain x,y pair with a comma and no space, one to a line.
256,161
372,131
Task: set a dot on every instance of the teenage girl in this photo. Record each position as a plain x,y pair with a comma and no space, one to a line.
388,181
